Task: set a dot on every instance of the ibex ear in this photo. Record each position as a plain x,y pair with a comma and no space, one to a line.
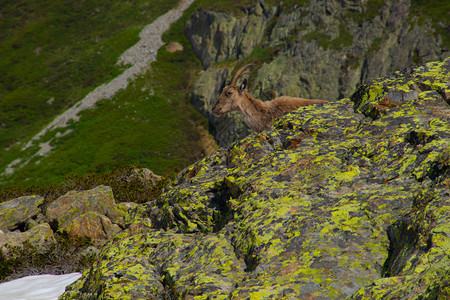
243,86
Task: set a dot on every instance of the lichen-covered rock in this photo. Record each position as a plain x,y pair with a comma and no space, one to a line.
40,238
16,212
349,199
87,213
144,175
92,225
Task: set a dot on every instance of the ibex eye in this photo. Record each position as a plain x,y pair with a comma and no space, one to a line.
229,94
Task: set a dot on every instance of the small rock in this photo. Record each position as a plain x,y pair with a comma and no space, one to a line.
74,204
39,237
145,175
91,225
174,47
15,212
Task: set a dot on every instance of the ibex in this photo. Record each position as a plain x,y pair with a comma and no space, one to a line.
257,114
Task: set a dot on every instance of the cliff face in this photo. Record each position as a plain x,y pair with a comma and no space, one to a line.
347,199
320,49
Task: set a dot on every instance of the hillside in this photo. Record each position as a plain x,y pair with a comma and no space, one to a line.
55,55
144,123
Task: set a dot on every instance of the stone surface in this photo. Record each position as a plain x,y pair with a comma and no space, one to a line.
203,97
16,212
92,225
86,213
174,47
349,199
216,36
40,237
144,175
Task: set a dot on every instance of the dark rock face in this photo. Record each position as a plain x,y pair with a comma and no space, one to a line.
217,36
319,50
348,199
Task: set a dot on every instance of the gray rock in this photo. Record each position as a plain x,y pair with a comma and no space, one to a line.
207,90
216,36
40,237
204,95
86,214
14,213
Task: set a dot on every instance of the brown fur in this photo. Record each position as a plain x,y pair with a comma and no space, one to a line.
257,114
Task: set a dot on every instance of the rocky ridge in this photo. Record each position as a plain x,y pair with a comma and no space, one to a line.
349,199
317,50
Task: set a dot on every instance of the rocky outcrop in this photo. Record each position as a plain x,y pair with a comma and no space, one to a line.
40,237
15,213
217,36
20,222
86,214
349,199
318,50
205,94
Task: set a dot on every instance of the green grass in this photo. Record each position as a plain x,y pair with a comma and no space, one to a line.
136,126
58,51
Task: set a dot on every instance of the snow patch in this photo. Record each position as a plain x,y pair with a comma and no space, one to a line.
39,287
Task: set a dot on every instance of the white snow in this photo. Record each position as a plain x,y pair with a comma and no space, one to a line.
39,287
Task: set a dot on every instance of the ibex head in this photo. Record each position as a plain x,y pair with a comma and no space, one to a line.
231,96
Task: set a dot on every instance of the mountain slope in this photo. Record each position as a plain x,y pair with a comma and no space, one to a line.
53,55
146,124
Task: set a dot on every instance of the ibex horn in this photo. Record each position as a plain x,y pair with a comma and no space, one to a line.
239,73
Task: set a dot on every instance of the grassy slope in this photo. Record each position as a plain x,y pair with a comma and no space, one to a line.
61,50
147,123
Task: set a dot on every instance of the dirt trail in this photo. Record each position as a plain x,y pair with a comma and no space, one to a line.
139,57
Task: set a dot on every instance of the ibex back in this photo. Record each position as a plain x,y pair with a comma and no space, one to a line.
257,114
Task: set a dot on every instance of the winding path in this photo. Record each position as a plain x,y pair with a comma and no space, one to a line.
140,56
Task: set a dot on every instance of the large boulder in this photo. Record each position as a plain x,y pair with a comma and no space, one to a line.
349,199
39,237
92,225
16,212
91,213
